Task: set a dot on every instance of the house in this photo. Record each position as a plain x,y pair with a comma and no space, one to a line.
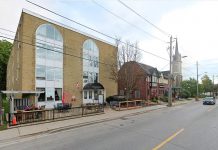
141,81
70,66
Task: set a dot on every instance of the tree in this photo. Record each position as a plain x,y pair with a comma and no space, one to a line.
126,52
5,49
189,87
207,84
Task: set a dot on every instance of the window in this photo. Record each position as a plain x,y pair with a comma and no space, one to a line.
49,46
121,92
58,73
85,94
137,94
58,94
40,72
90,94
90,61
50,94
50,73
42,95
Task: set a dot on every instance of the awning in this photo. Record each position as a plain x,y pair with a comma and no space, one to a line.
22,92
93,86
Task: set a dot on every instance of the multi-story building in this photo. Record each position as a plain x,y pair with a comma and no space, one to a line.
140,81
69,65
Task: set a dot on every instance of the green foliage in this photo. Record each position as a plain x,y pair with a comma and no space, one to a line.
164,98
5,48
6,106
189,88
207,83
154,99
185,93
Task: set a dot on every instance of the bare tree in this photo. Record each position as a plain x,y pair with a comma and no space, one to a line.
126,52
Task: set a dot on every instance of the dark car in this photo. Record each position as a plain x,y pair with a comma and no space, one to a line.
209,101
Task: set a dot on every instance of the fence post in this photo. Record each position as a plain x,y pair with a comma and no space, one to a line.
82,110
53,114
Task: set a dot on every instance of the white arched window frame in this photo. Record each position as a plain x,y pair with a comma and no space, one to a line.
49,62
90,62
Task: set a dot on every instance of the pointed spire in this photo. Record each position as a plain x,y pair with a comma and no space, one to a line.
176,49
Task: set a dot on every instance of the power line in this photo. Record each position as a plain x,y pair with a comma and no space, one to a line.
41,39
94,30
121,18
146,20
55,50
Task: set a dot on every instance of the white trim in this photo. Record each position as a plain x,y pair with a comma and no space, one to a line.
65,26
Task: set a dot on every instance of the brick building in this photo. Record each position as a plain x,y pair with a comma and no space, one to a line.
140,81
62,61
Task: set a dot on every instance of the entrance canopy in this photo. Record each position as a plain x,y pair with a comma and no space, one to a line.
93,86
22,92
12,94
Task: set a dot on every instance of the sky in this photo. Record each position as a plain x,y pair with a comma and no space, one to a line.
193,22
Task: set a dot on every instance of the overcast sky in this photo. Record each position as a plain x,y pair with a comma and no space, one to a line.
193,22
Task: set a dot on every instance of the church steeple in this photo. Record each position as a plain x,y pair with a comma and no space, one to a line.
177,56
176,48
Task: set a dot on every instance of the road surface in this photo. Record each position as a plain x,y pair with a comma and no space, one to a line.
186,127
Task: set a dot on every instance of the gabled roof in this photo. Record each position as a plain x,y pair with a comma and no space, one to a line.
149,69
165,73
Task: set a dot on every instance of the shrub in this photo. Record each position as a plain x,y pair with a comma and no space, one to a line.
164,98
116,98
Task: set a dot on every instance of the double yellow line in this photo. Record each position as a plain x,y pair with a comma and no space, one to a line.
168,139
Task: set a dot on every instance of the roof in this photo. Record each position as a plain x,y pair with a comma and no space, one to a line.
148,69
65,26
94,86
165,73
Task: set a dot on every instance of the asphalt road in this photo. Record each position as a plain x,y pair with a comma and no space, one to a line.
187,127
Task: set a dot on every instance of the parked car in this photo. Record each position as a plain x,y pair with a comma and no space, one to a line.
209,101
115,99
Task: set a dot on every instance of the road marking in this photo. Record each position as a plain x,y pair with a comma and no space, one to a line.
168,139
211,108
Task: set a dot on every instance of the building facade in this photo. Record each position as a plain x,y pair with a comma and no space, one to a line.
140,81
70,66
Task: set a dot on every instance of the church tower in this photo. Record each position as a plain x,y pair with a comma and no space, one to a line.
177,67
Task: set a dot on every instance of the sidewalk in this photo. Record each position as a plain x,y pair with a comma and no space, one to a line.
56,126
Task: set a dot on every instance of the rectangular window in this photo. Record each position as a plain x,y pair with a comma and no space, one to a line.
50,52
137,94
85,94
40,50
50,73
58,94
90,61
50,94
85,75
90,94
58,73
121,92
90,77
40,72
42,95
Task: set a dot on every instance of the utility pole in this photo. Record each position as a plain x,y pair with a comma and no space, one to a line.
197,82
213,87
170,76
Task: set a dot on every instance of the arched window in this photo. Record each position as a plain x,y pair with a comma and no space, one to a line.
49,62
90,62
